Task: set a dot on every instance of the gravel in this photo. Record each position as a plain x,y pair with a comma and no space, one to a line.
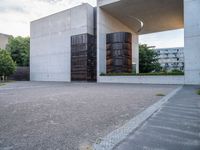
68,116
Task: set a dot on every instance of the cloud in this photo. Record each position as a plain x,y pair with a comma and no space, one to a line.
51,1
4,9
173,38
7,6
16,15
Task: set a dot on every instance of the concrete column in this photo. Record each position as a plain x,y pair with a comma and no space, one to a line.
108,24
192,41
135,51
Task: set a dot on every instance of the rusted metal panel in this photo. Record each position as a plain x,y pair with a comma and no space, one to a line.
83,57
119,52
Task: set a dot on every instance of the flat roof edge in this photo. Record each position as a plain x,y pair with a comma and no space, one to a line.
61,12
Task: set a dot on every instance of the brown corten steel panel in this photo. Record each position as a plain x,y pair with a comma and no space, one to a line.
119,52
83,57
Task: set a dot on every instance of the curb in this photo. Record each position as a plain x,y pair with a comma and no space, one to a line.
118,135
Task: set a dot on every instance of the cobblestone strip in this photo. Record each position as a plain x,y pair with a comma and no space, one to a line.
118,135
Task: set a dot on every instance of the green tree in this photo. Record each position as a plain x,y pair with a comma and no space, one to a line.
19,48
148,61
7,65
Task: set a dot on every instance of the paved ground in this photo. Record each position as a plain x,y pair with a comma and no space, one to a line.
175,127
64,116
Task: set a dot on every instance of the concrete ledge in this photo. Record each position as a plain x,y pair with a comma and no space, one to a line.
142,79
118,135
105,2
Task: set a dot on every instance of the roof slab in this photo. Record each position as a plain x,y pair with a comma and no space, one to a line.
146,16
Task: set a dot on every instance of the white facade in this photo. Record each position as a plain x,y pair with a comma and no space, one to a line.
108,24
3,40
50,54
171,58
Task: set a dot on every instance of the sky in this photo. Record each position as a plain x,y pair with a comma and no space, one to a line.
16,15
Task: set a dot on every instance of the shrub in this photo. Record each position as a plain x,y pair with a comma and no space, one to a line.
160,94
19,48
176,71
148,60
7,65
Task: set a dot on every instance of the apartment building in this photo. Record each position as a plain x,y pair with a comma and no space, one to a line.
171,58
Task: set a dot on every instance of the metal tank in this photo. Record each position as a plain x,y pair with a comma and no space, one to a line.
119,52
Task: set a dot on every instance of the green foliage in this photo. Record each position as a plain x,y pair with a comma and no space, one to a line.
160,94
7,65
148,61
198,92
19,48
176,71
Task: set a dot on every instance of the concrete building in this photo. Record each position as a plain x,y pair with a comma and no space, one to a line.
50,54
3,40
171,58
50,37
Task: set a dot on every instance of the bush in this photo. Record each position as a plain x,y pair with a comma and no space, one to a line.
19,48
148,60
160,94
176,71
7,65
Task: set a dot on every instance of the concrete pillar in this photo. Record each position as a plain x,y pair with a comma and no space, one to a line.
135,51
108,24
192,41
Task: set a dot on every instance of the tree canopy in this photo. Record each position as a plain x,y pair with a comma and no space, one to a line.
148,61
19,48
7,65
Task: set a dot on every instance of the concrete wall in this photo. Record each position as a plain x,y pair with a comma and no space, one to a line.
50,47
3,40
143,79
108,24
192,41
51,51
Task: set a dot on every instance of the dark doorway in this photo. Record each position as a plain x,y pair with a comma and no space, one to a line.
83,58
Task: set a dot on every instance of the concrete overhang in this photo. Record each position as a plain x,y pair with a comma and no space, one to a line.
153,15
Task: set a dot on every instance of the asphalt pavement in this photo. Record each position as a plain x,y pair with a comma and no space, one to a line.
176,126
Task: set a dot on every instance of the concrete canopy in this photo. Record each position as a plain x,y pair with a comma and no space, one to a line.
154,15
